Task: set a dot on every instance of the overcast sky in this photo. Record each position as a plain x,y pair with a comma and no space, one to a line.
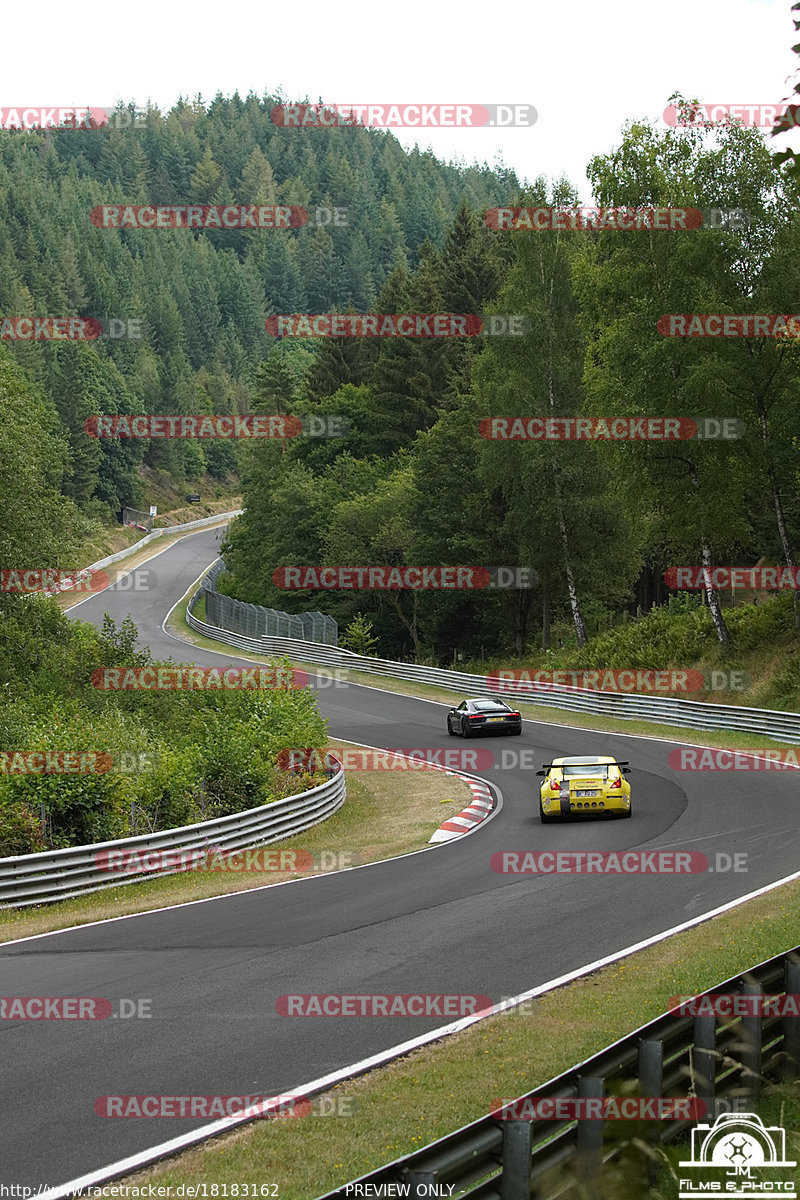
586,67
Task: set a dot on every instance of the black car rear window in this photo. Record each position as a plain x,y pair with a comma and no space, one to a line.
490,706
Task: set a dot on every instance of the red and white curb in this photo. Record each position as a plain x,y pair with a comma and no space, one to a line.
469,817
481,807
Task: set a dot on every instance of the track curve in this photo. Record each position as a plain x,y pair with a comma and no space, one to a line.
436,921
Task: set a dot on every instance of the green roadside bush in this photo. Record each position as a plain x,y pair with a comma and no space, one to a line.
177,756
20,830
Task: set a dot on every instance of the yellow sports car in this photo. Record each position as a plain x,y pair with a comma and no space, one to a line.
584,785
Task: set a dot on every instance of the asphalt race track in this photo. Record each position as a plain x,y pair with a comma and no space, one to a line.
438,921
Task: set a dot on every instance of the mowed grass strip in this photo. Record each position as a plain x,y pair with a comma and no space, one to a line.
387,812
411,1102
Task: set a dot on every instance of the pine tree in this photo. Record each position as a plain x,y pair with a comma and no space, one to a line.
206,178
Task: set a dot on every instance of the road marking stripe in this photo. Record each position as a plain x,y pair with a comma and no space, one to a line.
126,1165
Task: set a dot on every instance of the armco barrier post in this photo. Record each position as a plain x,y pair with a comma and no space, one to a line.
751,1046
421,1183
515,1183
651,1080
651,1066
790,1063
704,1058
589,1151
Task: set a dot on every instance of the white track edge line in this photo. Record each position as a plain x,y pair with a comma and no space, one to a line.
164,1149
157,554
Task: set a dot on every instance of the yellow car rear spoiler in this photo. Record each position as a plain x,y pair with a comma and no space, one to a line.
547,767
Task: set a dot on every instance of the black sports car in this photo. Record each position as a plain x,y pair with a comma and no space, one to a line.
483,716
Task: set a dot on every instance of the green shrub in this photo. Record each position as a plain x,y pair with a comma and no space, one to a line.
358,636
178,756
20,830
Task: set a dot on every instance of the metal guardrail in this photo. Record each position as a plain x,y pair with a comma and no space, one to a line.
157,533
719,1061
666,710
84,572
59,874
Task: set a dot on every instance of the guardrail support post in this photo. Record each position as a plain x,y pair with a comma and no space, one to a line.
589,1139
515,1181
651,1066
651,1082
704,1059
590,1133
751,1047
422,1183
790,1064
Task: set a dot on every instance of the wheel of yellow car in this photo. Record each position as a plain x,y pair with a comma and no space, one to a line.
544,817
